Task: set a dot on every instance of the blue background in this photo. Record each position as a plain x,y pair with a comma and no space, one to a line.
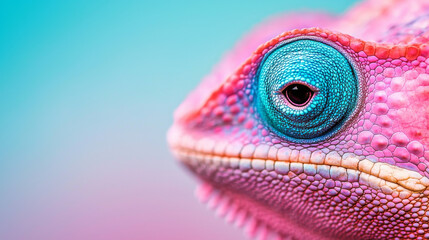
87,91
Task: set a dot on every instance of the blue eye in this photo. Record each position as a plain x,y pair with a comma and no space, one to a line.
307,90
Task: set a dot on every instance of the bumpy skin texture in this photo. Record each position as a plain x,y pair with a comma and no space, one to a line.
369,179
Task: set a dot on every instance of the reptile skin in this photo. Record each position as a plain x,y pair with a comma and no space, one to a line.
349,157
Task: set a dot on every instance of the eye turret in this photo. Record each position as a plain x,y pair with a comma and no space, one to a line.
307,90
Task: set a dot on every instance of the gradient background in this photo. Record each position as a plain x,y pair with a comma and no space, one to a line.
87,91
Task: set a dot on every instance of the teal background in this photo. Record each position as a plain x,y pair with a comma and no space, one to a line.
87,91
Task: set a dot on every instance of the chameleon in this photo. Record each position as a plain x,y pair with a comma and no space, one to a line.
316,126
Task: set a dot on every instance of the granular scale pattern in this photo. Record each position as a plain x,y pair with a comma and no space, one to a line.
364,176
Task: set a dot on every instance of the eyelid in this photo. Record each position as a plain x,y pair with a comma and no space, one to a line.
284,86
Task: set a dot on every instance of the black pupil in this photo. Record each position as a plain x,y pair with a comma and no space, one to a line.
298,94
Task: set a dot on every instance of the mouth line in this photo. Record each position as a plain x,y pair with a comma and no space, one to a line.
386,177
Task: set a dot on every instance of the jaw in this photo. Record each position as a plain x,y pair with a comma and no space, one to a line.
257,219
310,194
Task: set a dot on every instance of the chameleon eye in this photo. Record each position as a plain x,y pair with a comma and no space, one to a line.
307,90
298,95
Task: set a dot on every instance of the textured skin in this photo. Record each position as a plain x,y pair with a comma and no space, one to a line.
367,181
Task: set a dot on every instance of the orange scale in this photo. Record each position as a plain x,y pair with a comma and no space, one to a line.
344,40
382,52
397,52
412,53
369,49
357,45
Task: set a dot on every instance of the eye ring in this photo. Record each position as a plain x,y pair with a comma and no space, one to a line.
321,67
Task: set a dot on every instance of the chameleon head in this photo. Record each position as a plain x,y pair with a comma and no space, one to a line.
316,135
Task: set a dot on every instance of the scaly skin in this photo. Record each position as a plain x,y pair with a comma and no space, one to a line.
368,180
